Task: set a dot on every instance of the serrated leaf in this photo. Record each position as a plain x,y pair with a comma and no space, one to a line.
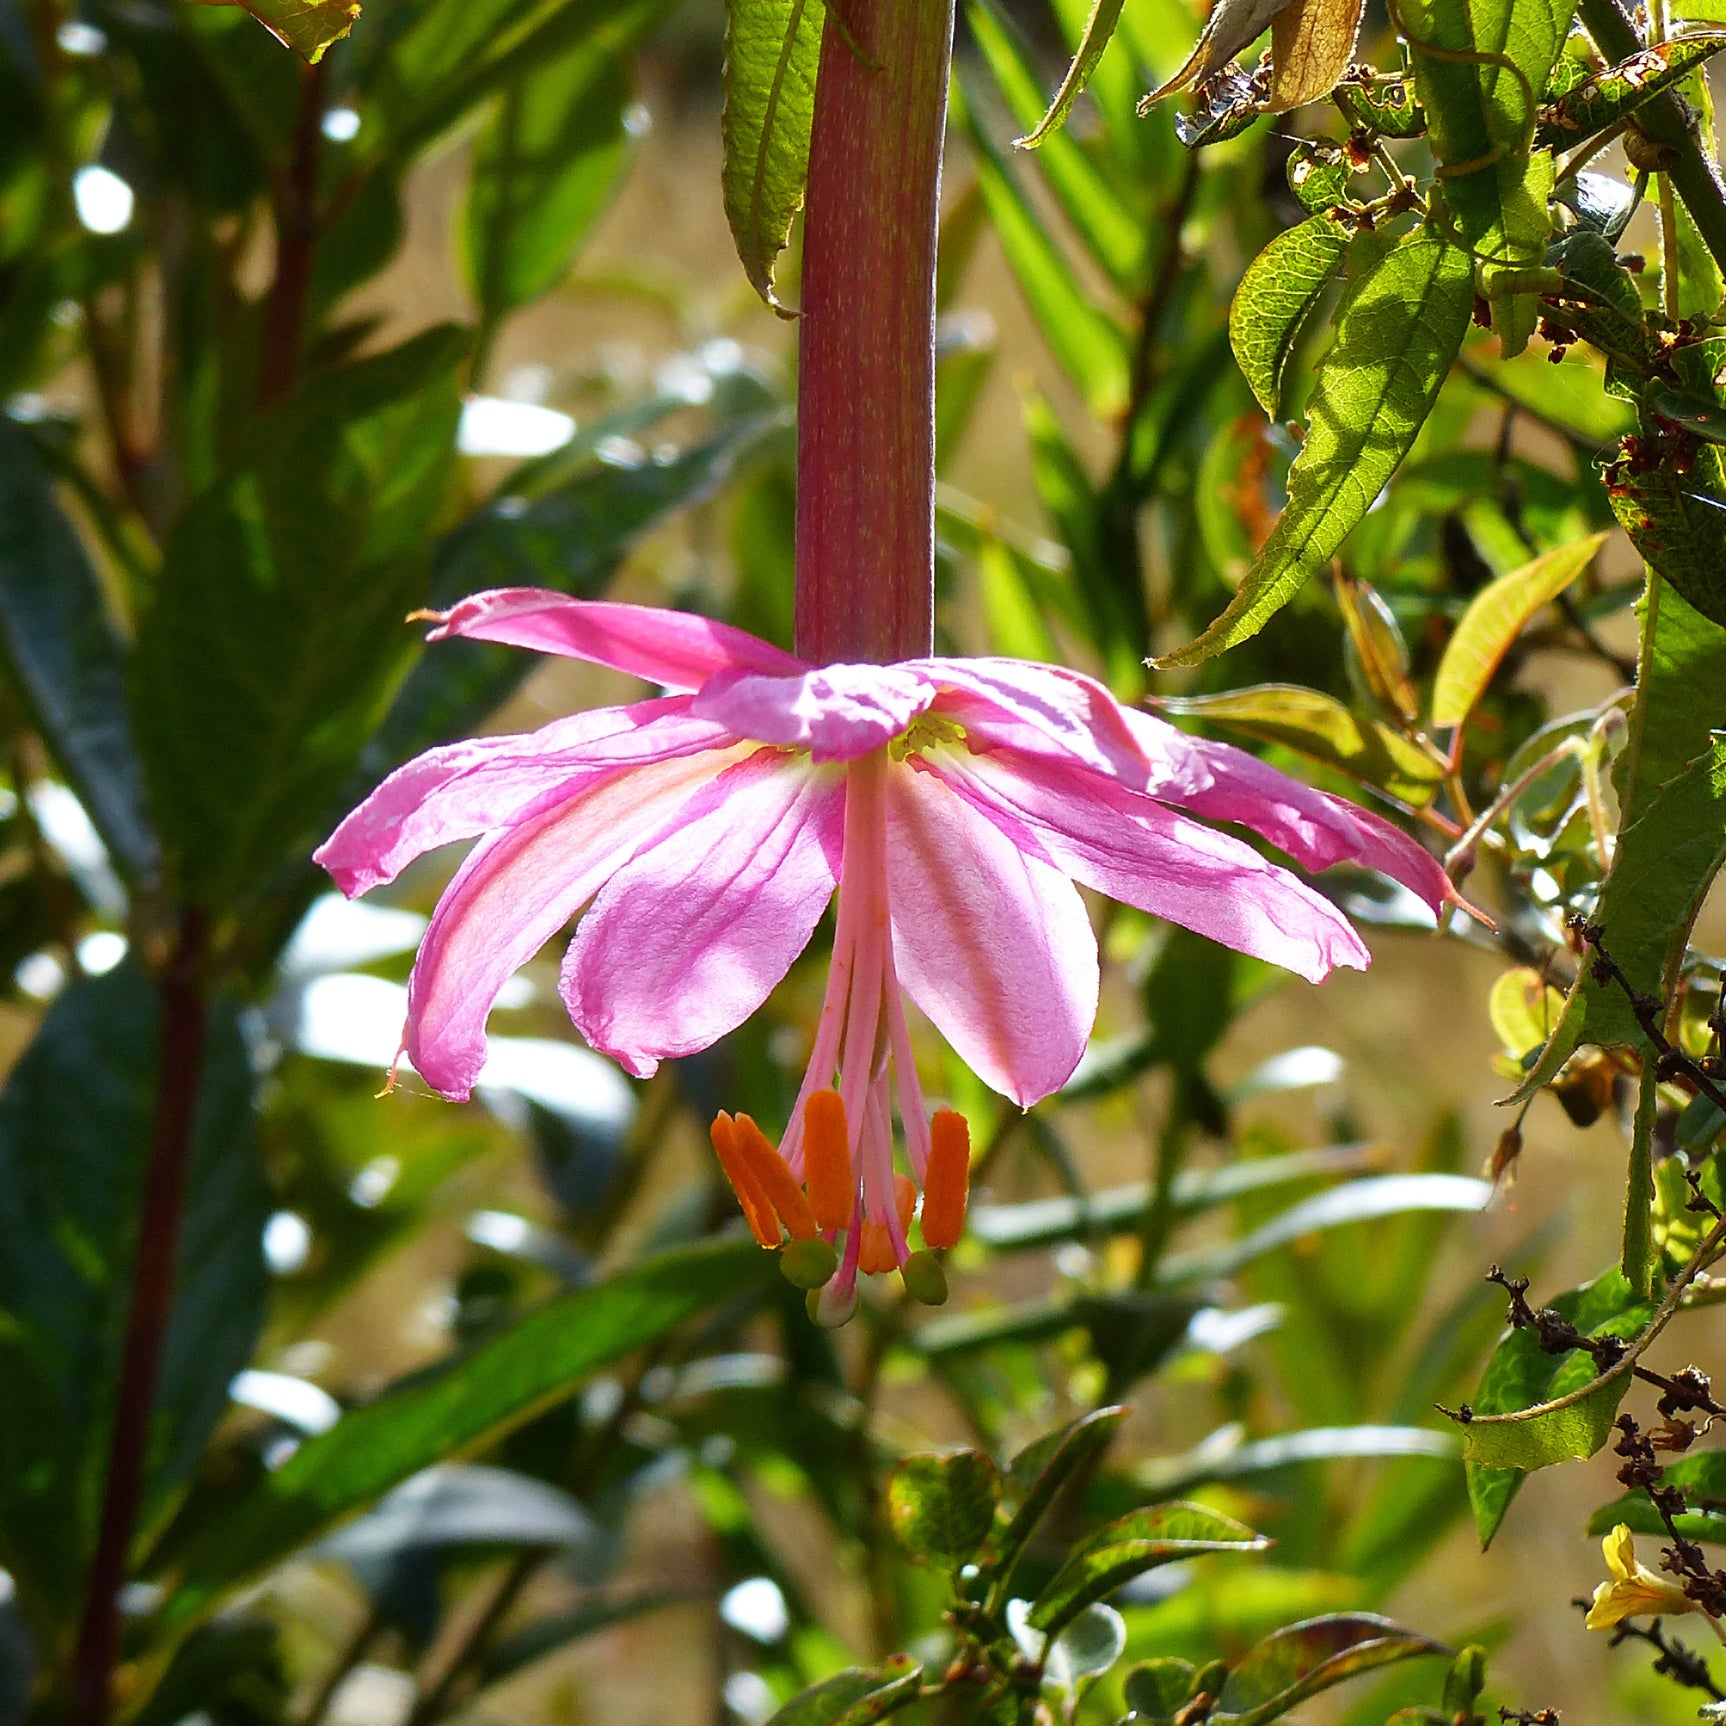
1127,1548
1319,726
1099,27
1277,294
772,55
449,1409
940,1508
1318,176
66,656
1495,617
1399,327
1312,42
1302,1659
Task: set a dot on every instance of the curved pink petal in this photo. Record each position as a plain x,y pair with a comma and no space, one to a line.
992,944
517,890
465,789
677,649
1314,827
1042,709
836,712
1136,850
690,938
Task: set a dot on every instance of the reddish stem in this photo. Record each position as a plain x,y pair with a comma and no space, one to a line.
296,211
866,364
179,1061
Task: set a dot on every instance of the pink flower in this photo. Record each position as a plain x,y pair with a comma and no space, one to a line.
953,802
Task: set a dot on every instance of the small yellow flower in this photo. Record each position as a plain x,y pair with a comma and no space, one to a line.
1635,1591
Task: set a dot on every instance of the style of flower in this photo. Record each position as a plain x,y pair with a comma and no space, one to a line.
1635,1591
953,803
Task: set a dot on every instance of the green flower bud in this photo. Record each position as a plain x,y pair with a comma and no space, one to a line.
925,1280
808,1264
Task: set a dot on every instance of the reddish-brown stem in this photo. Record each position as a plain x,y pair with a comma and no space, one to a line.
296,211
866,361
179,1061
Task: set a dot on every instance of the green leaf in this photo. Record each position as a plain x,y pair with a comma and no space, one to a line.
1277,294
544,169
277,632
1035,1478
1701,1477
772,54
1303,1659
1099,27
306,26
1674,520
1112,233
1141,1541
940,1508
856,1695
1157,1690
1319,726
450,1409
1605,98
42,1543
76,1123
1495,617
1088,344
1521,1375
66,657
1399,327
1086,1649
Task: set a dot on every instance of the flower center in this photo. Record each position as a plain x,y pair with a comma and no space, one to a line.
925,732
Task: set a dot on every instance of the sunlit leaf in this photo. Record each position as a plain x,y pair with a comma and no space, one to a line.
1099,1564
1399,327
1231,26
307,26
941,1507
772,54
1099,27
1495,617
1605,98
1277,294
1303,1659
1312,42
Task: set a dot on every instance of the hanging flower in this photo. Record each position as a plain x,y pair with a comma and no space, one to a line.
1635,1591
954,804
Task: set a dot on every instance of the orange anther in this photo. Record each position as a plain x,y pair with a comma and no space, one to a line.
757,1212
947,1184
827,1160
774,1178
875,1249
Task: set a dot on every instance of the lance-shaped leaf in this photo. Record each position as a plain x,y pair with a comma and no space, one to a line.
1300,1660
306,26
1312,42
1277,295
1231,26
451,1408
66,655
940,1508
1399,327
1495,617
1099,27
1036,1475
772,54
1127,1548
1319,726
1607,97
856,1695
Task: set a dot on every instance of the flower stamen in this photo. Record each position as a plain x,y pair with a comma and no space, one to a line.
829,1178
751,1196
946,1187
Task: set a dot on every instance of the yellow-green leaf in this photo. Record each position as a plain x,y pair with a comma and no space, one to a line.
1494,619
306,26
1277,295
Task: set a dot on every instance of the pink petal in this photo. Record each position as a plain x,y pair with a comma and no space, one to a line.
1041,709
1137,851
1315,828
991,943
519,889
465,789
837,712
677,649
690,938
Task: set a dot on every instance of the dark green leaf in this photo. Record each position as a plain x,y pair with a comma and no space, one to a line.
1157,1690
1605,98
66,655
76,1120
277,631
1036,1476
940,1508
1115,1554
772,53
465,1402
1277,295
1399,327
1673,518
858,1696
1303,1659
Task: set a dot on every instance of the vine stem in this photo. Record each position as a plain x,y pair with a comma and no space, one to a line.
184,1020
866,354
